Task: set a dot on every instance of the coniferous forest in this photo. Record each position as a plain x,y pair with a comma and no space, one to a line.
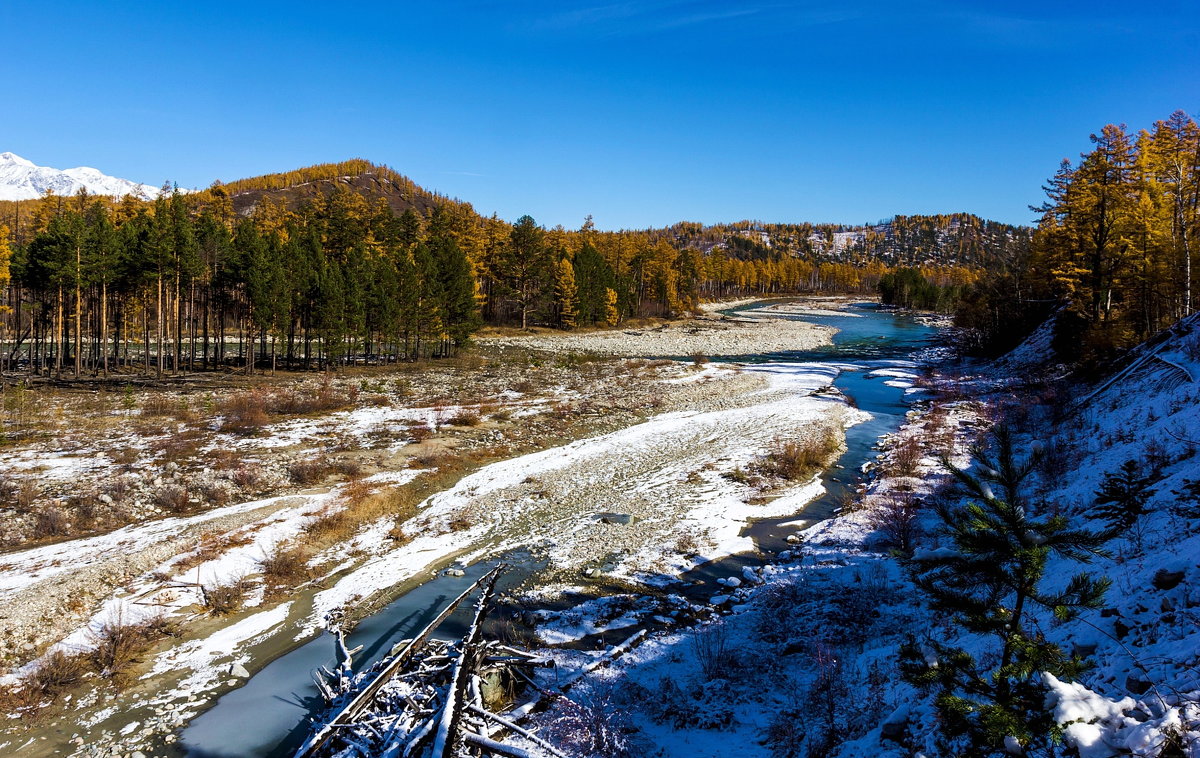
1115,247
351,262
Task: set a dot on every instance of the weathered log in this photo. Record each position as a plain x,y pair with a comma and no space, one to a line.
498,748
447,735
320,737
510,726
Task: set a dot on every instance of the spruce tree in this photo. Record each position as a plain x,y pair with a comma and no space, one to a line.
1121,500
988,580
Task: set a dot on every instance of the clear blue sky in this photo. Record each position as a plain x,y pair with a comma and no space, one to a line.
640,113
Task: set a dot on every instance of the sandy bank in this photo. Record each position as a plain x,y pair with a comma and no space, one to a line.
705,336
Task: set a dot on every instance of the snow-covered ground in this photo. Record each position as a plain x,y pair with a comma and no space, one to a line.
806,662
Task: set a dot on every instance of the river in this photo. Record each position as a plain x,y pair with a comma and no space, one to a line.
268,716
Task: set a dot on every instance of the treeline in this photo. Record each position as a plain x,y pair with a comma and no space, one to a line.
927,289
1115,247
954,239
173,285
337,264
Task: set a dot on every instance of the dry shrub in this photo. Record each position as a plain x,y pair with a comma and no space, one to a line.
525,387
245,412
182,447
50,522
348,467
419,432
8,488
501,414
906,457
124,456
216,492
460,523
56,674
310,472
687,544
286,567
119,645
310,398
224,599
897,519
172,498
248,476
26,495
465,417
800,458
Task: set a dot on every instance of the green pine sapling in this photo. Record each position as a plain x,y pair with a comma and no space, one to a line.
988,579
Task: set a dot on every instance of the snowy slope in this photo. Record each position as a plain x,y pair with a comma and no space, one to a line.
23,180
807,661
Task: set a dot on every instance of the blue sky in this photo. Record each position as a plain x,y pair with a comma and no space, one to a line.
640,113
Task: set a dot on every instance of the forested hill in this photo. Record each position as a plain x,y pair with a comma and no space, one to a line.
937,240
351,262
294,189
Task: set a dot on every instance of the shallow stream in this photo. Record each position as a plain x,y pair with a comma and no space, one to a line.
268,716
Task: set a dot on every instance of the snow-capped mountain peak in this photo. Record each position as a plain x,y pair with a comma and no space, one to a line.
21,179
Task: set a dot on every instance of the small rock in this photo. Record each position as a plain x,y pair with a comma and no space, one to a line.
455,572
792,539
105,498
1167,580
1083,649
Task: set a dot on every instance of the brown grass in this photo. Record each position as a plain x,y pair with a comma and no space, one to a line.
285,568
310,472
119,645
797,459
245,412
465,417
224,599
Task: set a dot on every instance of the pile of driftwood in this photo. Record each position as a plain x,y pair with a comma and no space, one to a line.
436,699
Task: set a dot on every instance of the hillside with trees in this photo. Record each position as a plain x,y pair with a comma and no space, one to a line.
353,262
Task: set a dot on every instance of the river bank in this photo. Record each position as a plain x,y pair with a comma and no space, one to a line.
675,465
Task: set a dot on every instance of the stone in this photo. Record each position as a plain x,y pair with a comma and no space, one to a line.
239,671
1083,649
1136,684
895,725
792,539
1167,580
619,519
105,498
455,572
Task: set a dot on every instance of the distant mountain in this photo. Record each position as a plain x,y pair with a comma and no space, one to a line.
23,180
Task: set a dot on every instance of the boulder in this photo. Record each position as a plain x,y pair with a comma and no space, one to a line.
620,519
239,671
1167,580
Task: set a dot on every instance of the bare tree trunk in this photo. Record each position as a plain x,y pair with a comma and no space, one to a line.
104,326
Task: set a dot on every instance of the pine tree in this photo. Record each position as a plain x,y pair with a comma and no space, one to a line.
612,316
987,582
565,294
1121,500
